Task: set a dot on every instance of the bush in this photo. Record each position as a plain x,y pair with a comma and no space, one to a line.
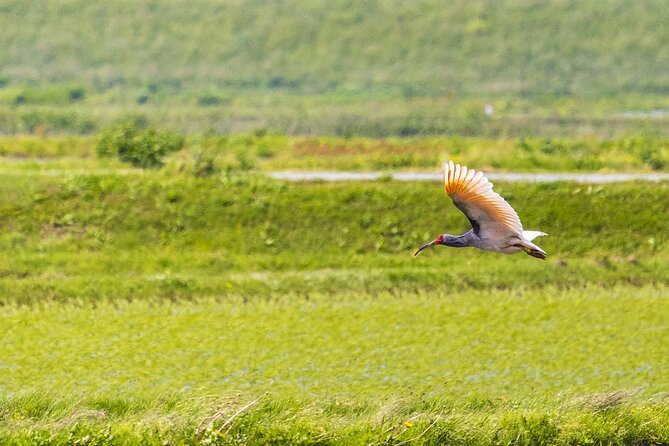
141,147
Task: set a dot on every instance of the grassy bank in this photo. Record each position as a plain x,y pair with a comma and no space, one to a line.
110,237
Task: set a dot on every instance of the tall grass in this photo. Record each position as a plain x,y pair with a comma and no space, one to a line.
267,151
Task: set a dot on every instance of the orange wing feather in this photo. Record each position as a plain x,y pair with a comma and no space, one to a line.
472,193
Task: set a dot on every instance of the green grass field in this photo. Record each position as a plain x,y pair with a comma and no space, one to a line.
204,303
136,306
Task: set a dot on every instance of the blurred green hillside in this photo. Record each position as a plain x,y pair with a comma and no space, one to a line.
362,67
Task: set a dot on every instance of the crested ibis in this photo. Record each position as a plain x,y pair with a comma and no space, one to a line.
495,225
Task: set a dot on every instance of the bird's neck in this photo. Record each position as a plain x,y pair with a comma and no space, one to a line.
458,241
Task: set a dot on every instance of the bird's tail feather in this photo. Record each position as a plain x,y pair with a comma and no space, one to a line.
531,235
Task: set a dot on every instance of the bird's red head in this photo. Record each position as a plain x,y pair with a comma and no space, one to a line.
437,241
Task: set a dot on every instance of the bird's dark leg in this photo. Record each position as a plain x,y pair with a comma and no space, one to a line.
535,253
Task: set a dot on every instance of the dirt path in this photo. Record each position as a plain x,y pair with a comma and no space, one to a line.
493,176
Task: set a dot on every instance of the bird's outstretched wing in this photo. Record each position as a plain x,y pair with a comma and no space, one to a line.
472,193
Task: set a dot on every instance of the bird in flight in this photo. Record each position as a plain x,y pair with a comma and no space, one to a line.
495,225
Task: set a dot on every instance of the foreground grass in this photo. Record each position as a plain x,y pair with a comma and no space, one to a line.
482,367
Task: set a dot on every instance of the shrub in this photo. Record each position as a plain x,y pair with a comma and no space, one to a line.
210,99
141,147
76,94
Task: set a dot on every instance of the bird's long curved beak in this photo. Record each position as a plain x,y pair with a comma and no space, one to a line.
425,246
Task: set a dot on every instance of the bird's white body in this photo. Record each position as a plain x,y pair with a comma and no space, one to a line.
506,243
495,225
